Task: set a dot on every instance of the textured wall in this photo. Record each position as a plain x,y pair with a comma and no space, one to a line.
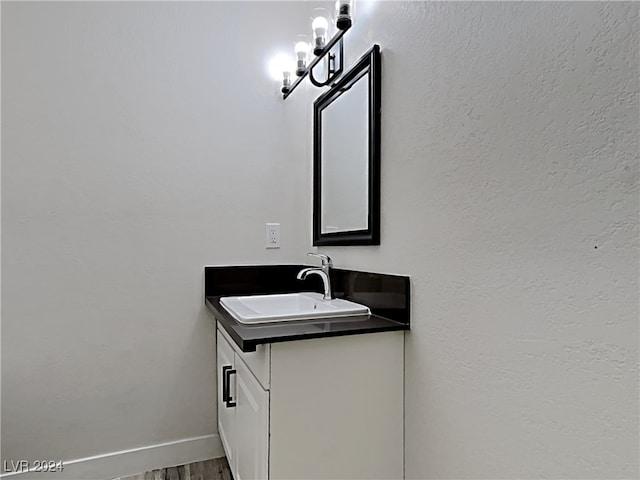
510,195
140,142
509,153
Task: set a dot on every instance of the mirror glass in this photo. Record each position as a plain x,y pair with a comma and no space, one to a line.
344,162
347,157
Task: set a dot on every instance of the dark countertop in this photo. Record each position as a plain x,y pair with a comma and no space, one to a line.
249,336
387,297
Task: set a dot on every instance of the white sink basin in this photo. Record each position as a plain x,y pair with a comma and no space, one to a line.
288,306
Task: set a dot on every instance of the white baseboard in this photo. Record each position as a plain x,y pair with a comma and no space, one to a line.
130,462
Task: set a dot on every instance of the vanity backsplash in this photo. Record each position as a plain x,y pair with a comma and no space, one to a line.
386,296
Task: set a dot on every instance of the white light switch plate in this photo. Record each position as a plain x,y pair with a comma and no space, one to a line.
272,235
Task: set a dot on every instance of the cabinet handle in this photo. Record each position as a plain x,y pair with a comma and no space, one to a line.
228,400
225,383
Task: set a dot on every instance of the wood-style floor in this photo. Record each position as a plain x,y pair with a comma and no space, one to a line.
216,469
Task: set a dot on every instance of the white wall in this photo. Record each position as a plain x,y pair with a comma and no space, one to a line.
509,153
140,142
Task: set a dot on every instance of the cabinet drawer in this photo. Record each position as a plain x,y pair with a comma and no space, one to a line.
257,362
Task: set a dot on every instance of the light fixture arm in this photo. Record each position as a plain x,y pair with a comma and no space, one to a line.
332,72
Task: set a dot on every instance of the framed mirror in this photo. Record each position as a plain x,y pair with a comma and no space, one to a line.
346,157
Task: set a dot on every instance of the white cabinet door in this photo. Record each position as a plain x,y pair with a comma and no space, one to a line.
226,412
252,426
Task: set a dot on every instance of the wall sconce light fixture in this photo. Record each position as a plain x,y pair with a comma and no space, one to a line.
322,49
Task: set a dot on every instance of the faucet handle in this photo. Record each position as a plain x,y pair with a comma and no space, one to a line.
326,260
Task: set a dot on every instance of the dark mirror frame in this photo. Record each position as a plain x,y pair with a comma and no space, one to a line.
366,69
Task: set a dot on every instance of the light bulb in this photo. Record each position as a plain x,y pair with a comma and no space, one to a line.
301,49
319,27
343,14
279,64
286,81
320,23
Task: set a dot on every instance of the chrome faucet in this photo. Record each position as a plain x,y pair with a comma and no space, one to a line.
323,272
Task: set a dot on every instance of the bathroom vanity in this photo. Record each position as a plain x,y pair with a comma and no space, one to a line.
311,399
